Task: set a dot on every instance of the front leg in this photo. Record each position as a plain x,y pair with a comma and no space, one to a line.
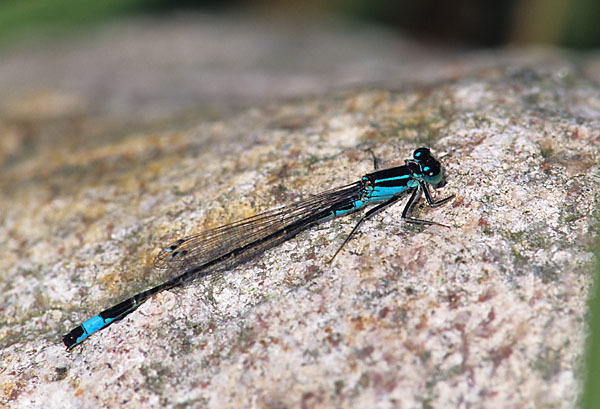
428,197
414,198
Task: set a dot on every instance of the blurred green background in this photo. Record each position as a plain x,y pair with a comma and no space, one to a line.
590,398
566,23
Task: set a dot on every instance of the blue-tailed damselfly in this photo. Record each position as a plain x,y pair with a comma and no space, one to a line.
224,247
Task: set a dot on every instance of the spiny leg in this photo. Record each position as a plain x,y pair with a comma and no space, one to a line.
368,214
414,198
430,200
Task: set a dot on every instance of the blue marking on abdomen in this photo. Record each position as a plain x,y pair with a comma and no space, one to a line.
355,206
92,325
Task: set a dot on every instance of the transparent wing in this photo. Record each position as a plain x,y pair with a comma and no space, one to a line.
203,247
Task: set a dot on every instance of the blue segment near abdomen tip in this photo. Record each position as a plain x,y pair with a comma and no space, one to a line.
92,325
223,247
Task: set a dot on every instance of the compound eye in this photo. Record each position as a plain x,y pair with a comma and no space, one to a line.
421,154
431,170
434,170
435,179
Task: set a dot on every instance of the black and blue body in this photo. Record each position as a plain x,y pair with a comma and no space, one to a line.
224,247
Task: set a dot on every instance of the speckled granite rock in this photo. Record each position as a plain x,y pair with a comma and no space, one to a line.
486,314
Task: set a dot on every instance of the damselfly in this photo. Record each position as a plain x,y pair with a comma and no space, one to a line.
227,246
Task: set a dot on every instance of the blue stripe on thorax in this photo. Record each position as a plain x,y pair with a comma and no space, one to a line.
390,184
380,193
393,178
377,190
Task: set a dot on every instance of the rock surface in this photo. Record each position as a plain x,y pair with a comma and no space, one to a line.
488,313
